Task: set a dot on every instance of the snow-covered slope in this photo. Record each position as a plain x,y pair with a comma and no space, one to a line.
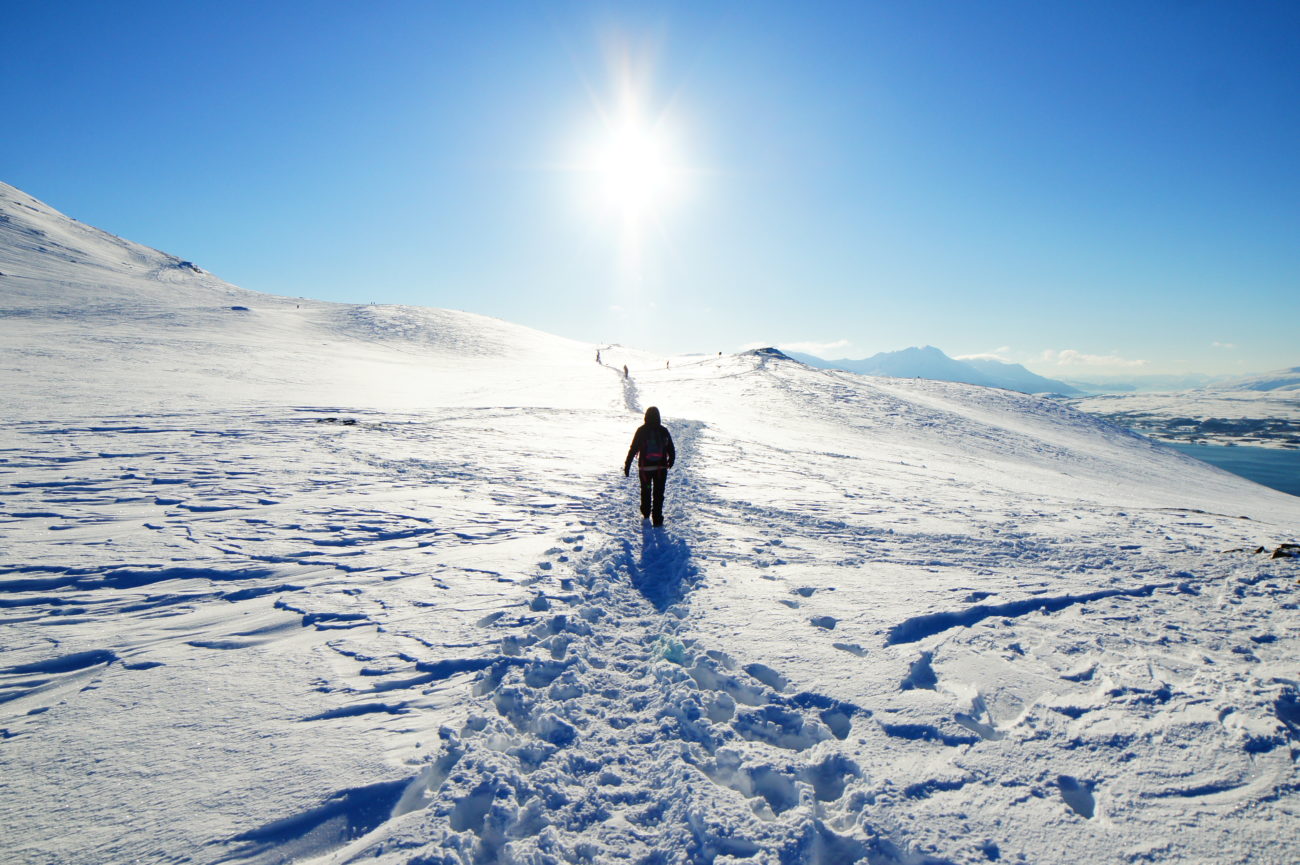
50,262
109,325
342,583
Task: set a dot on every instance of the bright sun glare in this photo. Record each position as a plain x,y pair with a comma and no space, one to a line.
631,163
633,166
631,157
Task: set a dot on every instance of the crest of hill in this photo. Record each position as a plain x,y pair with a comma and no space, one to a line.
768,352
50,261
103,317
54,265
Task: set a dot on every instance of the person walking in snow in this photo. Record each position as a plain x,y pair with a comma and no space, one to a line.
653,446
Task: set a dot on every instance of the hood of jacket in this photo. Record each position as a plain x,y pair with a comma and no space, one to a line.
652,416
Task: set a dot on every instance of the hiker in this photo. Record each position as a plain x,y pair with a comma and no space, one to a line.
653,447
597,355
624,370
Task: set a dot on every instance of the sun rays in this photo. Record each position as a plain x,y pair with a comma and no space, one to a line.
631,161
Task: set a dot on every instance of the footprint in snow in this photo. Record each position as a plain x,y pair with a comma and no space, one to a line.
767,676
921,674
851,648
1078,795
1287,708
979,721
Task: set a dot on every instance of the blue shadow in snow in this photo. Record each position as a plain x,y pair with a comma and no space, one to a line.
663,571
343,817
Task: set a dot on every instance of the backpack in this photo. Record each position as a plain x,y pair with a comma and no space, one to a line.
654,449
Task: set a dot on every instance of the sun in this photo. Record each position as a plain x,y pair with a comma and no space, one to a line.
633,166
630,156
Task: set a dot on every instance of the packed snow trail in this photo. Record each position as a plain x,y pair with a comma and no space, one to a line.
603,732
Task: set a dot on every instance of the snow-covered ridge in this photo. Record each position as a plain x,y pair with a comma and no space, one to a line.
158,327
49,260
337,583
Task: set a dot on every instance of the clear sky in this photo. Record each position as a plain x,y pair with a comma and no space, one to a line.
1086,188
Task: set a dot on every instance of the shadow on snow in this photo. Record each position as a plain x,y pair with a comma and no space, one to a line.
662,571
346,815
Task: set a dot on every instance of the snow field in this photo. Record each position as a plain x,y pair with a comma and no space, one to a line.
822,657
329,583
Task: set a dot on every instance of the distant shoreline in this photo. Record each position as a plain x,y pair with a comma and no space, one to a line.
1192,418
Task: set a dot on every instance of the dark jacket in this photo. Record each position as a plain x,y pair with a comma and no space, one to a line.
652,445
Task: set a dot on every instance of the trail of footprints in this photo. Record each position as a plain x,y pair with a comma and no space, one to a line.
596,717
592,670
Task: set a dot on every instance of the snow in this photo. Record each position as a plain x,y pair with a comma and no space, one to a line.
1256,411
1255,418
334,583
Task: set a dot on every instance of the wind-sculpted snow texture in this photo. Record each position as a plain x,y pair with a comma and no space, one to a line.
888,621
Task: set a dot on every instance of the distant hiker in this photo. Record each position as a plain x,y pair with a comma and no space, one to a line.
624,370
653,446
597,355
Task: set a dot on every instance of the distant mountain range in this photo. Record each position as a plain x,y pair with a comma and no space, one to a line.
930,362
1144,383
1281,379
1276,380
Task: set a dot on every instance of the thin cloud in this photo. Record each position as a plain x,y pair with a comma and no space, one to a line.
1002,355
1070,357
1224,345
821,349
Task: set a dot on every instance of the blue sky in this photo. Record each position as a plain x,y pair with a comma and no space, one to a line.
1087,188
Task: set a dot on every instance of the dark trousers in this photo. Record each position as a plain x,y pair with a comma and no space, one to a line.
652,494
